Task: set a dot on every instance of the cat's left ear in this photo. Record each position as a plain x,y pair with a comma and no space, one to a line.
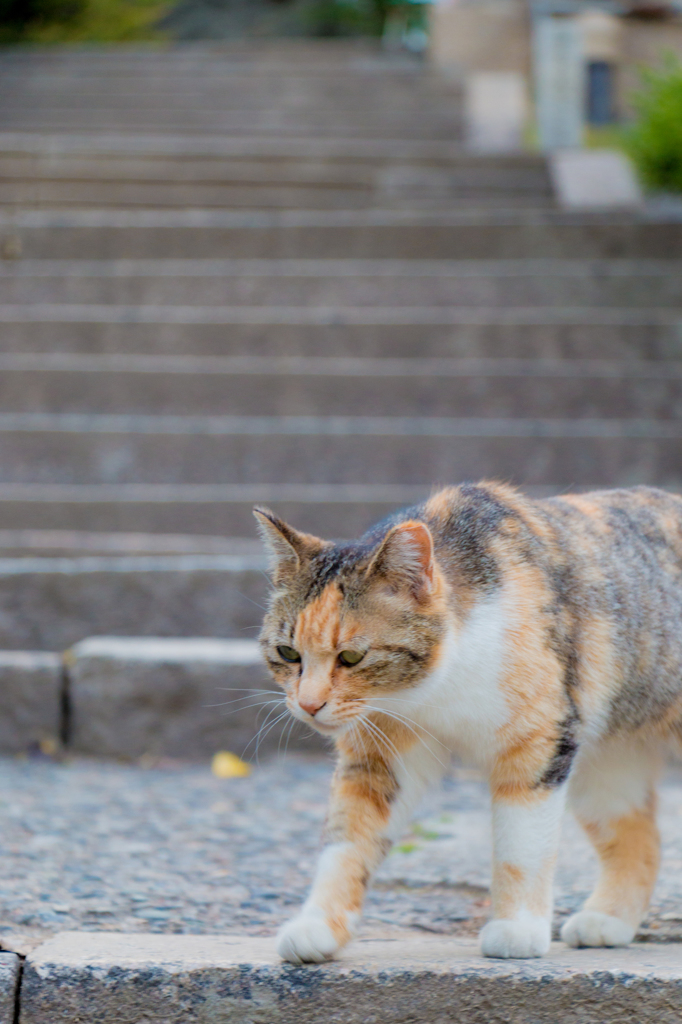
405,559
287,548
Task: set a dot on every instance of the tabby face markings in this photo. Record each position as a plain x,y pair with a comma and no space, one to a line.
348,623
334,660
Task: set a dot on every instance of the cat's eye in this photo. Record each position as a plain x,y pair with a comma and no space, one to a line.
349,658
288,654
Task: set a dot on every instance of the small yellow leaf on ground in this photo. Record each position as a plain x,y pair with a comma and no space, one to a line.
225,765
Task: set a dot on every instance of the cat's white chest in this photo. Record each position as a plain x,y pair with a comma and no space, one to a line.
462,701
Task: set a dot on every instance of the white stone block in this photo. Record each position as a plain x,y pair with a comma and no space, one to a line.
496,109
594,179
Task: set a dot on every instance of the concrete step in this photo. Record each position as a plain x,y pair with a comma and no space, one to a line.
141,697
428,191
84,195
253,160
49,603
175,171
171,153
376,234
209,452
568,334
334,510
155,697
350,120
322,283
291,386
396,980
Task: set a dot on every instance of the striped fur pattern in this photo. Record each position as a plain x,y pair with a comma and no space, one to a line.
538,640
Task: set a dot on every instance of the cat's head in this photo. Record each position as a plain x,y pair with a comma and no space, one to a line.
350,623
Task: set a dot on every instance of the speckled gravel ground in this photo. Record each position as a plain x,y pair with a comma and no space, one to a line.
101,846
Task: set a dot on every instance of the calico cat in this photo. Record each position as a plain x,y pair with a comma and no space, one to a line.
538,640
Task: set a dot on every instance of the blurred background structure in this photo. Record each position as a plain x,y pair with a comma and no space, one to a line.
324,275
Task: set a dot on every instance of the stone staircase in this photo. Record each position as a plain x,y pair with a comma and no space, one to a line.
273,274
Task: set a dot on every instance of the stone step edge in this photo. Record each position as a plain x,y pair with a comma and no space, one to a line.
45,703
194,979
139,365
99,145
340,316
258,219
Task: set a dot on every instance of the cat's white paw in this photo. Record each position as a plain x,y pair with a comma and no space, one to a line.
307,939
592,928
527,937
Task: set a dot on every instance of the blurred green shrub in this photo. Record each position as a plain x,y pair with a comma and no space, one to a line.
655,139
343,17
358,17
82,21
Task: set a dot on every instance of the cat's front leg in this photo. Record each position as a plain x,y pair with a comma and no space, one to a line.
371,801
526,824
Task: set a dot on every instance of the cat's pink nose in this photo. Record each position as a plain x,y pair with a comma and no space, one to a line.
312,706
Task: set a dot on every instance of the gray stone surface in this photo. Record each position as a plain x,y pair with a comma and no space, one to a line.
91,458
166,847
52,603
558,334
10,970
233,980
31,685
343,284
311,234
129,385
187,698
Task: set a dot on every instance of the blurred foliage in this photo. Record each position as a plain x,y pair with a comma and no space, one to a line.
357,17
654,141
83,21
110,21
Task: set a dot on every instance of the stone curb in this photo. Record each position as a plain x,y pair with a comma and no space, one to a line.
31,696
190,979
129,697
10,975
134,696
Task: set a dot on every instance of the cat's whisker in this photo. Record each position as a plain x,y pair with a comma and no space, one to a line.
399,717
263,732
285,731
267,579
251,600
240,700
245,689
374,729
362,753
257,738
289,734
405,700
413,726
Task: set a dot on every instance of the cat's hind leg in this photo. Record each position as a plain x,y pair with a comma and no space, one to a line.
612,794
526,827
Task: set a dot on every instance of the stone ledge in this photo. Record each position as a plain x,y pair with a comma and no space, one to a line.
31,685
10,971
190,979
126,697
144,695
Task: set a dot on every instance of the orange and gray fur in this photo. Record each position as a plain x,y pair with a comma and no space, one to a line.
539,640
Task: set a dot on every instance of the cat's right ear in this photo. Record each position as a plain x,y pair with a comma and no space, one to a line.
286,548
